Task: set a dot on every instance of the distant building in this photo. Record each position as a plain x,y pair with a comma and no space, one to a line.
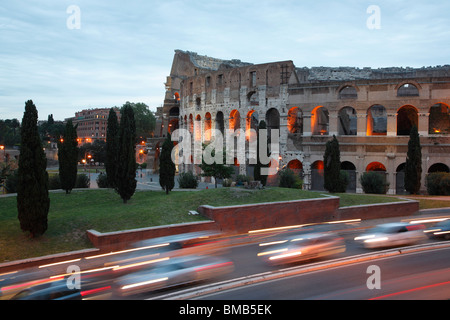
92,124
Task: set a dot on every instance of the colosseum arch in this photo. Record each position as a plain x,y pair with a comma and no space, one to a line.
407,117
174,114
295,120
376,166
347,122
407,89
220,124
272,122
317,175
350,168
208,126
235,120
191,124
439,119
198,127
296,166
320,121
376,121
347,92
251,122
438,167
400,179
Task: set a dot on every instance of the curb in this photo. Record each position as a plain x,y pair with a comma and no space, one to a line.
274,275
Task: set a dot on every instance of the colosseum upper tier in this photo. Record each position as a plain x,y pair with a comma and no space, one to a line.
370,111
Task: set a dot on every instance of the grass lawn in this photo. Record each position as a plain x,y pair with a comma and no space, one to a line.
71,215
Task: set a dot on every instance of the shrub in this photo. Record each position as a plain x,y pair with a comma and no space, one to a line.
102,180
433,183
287,178
11,182
82,181
444,185
374,182
54,183
438,183
187,180
298,183
227,183
242,178
343,181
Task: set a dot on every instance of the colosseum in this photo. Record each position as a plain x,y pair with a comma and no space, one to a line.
370,111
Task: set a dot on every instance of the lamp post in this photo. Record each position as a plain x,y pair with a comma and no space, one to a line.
2,147
89,159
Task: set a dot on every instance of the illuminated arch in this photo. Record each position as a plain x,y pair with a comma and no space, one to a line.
319,121
235,120
198,127
294,120
251,122
439,119
296,166
376,121
208,126
376,166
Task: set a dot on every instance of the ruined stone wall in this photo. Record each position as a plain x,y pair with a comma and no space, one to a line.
320,89
370,111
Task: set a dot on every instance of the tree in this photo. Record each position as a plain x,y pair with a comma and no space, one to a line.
215,169
33,202
68,157
145,120
166,166
112,148
126,170
9,135
413,168
332,166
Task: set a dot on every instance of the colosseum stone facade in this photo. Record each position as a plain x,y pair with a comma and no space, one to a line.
370,111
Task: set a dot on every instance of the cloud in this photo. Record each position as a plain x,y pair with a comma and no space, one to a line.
123,50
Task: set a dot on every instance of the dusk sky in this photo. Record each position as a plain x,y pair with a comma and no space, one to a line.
71,55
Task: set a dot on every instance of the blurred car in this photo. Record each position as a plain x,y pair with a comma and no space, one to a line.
59,290
200,242
145,253
303,247
172,272
392,235
440,230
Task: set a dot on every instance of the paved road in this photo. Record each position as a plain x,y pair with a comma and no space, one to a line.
419,275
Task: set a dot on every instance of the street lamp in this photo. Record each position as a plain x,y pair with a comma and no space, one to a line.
2,147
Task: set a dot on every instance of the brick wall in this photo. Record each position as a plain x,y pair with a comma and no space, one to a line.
238,219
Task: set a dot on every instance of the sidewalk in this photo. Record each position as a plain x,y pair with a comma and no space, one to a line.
147,180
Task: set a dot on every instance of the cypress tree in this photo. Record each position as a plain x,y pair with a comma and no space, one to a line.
126,170
33,202
67,157
413,168
166,166
112,148
332,165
